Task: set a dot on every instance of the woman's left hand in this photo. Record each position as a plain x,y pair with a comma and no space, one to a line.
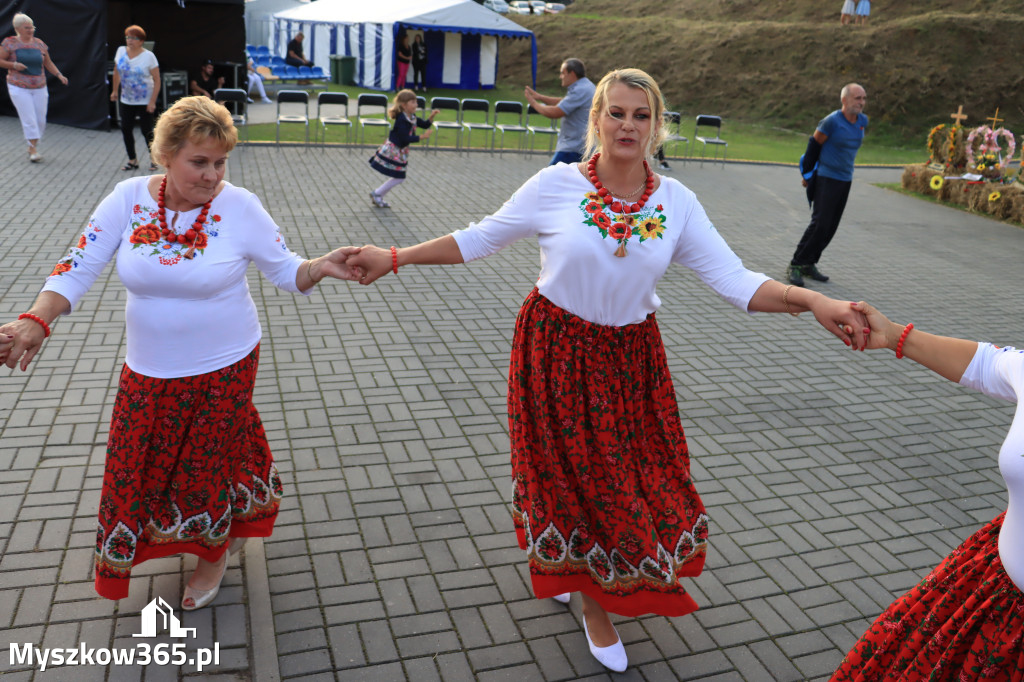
63,79
843,320
150,108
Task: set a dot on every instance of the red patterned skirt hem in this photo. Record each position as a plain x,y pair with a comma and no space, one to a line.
963,623
188,467
602,500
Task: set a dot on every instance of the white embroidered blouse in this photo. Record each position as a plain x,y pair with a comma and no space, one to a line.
578,236
184,316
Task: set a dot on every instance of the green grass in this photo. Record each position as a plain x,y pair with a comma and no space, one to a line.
747,141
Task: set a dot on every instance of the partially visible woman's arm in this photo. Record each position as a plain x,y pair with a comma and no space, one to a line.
944,355
52,68
20,340
155,72
377,262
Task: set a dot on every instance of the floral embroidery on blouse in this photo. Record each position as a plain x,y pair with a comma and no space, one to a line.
647,223
77,253
145,232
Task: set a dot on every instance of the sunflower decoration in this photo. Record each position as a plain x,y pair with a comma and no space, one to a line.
651,227
936,182
994,197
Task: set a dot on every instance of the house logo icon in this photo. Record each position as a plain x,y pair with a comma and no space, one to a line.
157,616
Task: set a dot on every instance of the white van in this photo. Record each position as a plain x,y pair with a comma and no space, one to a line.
499,6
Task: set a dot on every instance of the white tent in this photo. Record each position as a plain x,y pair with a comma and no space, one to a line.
259,18
461,37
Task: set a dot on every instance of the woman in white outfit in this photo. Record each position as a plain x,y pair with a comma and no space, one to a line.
25,56
846,14
965,620
256,83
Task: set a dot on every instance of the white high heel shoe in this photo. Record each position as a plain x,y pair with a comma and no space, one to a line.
563,598
196,599
612,657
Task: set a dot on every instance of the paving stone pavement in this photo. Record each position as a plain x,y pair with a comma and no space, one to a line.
834,480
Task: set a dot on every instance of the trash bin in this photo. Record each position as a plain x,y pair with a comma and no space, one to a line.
347,70
336,68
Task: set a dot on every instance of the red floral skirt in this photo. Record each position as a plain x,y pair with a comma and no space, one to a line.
188,466
602,498
964,622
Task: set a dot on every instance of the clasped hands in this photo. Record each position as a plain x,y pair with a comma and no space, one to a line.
363,264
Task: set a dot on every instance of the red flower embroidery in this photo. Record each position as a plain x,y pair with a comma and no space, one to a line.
145,234
620,231
61,268
137,209
593,207
201,241
81,242
660,208
216,218
602,220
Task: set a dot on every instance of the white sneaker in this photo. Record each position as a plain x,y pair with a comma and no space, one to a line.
267,100
35,158
249,100
664,166
612,657
562,598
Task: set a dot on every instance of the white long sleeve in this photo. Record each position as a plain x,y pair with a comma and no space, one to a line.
579,271
184,317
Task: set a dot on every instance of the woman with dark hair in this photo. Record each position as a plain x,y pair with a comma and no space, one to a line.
403,58
419,63
137,80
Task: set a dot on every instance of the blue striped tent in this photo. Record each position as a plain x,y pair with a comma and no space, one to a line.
461,37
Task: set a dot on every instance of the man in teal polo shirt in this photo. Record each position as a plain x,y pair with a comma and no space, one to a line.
834,147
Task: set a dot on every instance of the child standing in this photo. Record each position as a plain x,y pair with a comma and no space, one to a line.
393,156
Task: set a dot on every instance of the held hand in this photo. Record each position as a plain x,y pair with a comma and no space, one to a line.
337,264
374,261
884,332
842,319
20,340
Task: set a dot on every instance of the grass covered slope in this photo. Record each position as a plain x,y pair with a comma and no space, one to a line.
783,62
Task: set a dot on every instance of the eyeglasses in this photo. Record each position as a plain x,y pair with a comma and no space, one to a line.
132,38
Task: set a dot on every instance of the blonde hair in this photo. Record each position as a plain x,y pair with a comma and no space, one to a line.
634,78
192,119
401,98
20,19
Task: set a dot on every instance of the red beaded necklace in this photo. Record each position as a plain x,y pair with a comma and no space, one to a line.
190,235
620,206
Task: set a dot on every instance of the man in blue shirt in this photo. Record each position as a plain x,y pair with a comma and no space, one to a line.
574,107
834,147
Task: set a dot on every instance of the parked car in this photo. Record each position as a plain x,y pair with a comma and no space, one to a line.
519,7
499,6
554,7
539,6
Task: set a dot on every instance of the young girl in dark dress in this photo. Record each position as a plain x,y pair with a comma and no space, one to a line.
393,156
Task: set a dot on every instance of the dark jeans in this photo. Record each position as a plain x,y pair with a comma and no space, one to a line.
129,112
566,157
292,61
419,74
829,202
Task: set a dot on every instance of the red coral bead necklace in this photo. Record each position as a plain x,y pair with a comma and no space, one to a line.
606,195
623,207
190,235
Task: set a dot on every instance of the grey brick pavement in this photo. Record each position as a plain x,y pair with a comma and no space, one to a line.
834,480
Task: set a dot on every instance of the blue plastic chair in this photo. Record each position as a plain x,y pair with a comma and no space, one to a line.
305,72
291,71
263,50
279,70
318,72
276,61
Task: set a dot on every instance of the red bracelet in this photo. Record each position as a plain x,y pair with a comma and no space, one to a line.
36,318
394,260
903,337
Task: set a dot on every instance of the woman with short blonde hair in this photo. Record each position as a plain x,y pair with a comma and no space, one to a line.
25,56
188,467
